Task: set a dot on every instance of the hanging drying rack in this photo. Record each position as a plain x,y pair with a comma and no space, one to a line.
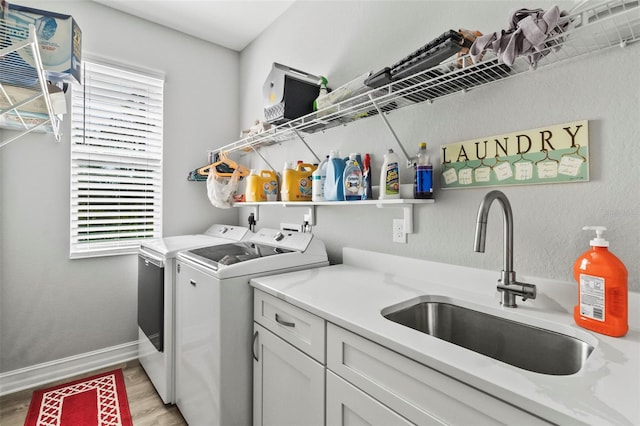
16,41
593,28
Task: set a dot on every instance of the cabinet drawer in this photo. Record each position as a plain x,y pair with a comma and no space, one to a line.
415,391
302,329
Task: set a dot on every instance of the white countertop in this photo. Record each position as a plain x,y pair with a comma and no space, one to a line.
352,295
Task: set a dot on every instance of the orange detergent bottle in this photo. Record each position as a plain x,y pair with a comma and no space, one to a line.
602,289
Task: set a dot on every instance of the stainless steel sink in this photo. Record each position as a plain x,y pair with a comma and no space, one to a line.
521,345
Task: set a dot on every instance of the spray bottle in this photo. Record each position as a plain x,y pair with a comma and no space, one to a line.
323,91
602,289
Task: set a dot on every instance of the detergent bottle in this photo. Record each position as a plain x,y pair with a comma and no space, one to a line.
268,181
333,186
352,179
602,289
252,193
262,186
389,176
286,181
296,184
318,179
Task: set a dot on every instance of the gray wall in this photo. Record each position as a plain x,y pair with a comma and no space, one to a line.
345,39
52,307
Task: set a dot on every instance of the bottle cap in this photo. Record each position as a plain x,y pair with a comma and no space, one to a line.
598,241
423,145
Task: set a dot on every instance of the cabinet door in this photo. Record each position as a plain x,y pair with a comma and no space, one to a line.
349,406
288,386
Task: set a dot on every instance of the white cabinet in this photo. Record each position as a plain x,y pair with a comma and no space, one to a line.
366,383
349,406
288,385
412,390
288,364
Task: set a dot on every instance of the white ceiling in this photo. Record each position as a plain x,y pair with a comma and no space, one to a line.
229,23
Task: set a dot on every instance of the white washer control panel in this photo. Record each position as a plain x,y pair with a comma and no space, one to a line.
230,232
296,241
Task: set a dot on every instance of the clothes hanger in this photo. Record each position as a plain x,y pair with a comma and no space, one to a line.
223,167
576,153
522,159
483,164
498,161
546,157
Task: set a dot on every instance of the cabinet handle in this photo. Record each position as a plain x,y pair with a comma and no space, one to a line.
285,323
192,282
253,346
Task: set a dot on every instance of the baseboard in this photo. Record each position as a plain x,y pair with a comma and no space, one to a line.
48,372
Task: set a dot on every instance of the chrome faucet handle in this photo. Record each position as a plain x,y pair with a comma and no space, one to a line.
513,289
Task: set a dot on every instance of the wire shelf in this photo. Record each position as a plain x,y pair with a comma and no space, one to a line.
25,104
591,29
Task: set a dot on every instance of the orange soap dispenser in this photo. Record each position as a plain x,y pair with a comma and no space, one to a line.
602,289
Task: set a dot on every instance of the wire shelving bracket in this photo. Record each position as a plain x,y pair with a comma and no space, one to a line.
15,108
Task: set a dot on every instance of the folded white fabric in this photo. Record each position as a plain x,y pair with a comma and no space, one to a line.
528,34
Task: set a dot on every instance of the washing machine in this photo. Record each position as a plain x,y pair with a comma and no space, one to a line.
214,317
156,300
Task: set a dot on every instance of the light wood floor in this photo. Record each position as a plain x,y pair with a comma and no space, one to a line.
147,409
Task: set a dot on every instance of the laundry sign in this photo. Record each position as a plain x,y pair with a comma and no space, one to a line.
552,154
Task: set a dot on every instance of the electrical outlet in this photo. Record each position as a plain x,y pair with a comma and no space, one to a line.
399,236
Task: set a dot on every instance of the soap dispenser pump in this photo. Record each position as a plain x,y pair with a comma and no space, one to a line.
602,288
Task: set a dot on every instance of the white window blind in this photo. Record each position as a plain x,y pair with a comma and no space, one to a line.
116,161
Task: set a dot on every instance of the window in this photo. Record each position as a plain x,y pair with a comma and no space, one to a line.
116,160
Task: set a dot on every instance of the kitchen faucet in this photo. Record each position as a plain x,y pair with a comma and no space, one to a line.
507,285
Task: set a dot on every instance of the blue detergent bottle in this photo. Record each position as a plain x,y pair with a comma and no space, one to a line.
352,179
333,185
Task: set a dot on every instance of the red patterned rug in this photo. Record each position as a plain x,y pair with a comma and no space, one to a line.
99,400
